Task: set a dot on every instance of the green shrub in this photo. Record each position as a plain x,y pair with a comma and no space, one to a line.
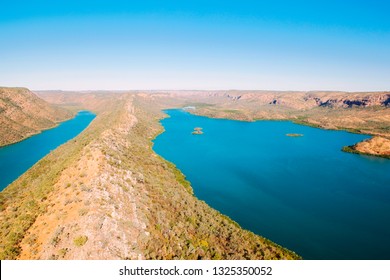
80,240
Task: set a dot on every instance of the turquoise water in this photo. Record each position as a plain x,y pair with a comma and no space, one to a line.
17,158
303,193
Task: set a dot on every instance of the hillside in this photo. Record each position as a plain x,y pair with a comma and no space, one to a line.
365,112
361,112
23,114
107,195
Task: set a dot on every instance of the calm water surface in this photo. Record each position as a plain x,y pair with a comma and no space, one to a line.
17,158
303,193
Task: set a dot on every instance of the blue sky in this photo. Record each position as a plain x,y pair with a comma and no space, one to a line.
277,45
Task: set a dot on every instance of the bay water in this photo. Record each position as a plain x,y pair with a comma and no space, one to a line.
303,193
17,158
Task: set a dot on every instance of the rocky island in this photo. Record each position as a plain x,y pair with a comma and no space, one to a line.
197,131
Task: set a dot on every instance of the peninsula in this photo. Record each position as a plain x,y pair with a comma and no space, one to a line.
376,146
107,195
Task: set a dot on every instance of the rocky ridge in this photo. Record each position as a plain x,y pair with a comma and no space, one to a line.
107,195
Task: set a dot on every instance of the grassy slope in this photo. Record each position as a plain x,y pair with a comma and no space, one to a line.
134,203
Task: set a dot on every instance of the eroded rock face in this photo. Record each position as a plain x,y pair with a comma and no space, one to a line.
290,99
357,101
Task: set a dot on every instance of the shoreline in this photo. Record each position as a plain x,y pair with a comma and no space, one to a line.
351,148
193,171
189,188
42,130
2,188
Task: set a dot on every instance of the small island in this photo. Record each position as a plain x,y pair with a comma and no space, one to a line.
294,135
197,130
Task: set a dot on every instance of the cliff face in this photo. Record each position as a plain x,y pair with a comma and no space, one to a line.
23,114
295,100
362,100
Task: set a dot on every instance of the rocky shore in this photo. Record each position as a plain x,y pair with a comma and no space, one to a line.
376,146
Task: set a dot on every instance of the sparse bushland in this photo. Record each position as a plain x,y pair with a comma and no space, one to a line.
187,228
27,198
139,206
376,146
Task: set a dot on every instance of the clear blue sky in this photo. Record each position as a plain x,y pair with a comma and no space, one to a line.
279,45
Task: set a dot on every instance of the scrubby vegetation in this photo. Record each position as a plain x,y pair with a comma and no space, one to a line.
183,227
80,240
134,205
352,149
25,199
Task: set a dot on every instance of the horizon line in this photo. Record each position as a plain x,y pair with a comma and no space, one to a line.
275,90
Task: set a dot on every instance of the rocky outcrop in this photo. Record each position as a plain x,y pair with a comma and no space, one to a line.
376,146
